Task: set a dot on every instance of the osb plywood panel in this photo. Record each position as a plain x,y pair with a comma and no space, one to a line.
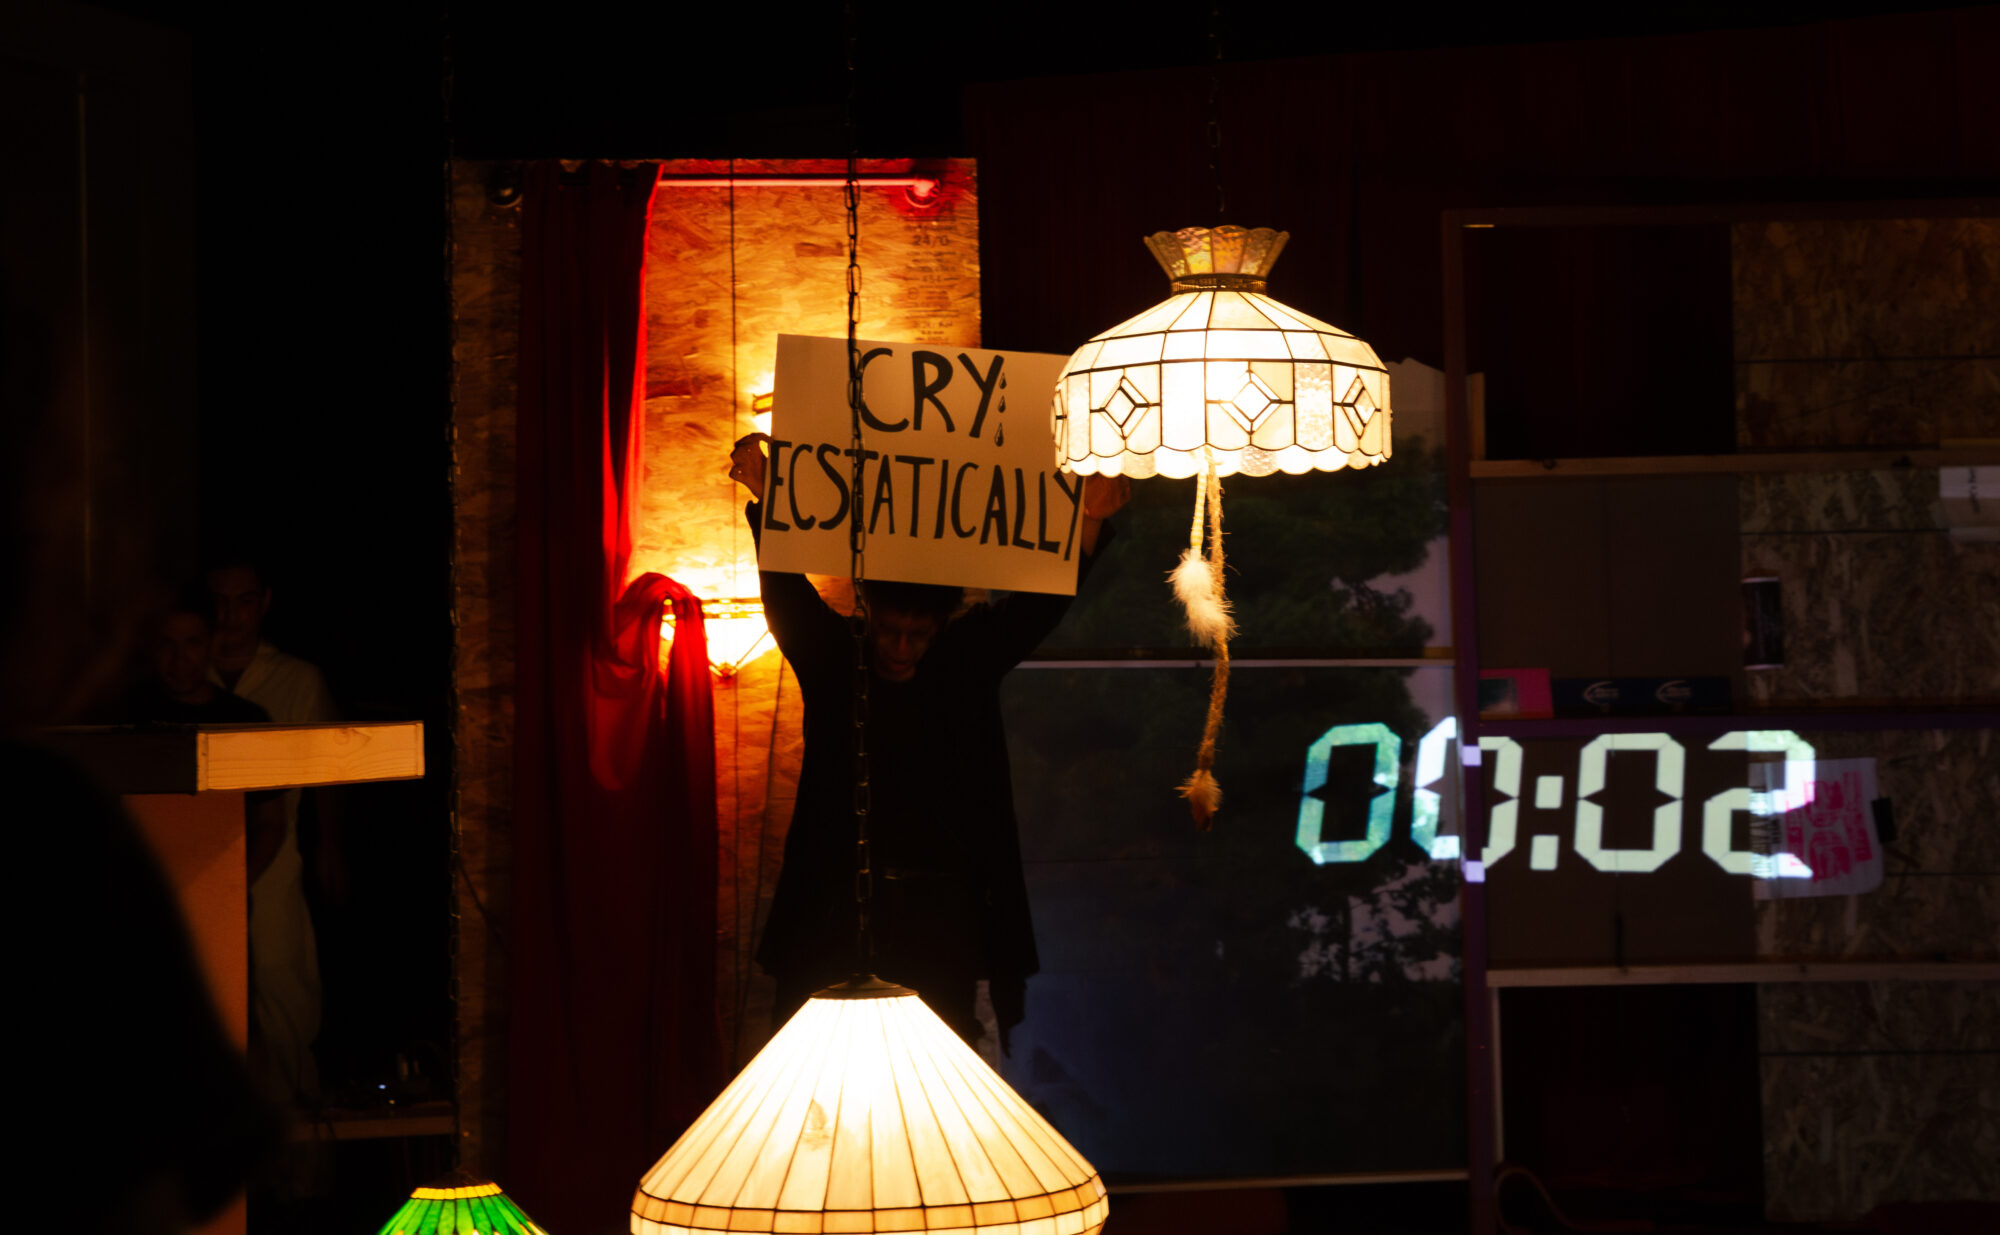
1909,917
1869,333
1882,403
1879,333
1847,1132
1878,1016
1784,503
1945,784
486,302
1886,1091
726,274
1866,333
1941,876
1880,615
1865,287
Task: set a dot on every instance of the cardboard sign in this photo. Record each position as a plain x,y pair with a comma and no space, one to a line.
958,484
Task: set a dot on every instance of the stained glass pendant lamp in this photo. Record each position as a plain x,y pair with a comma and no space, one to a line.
460,1204
1219,379
866,1113
1221,373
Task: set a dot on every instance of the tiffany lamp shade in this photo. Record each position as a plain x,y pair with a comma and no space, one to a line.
866,1113
1218,379
460,1204
1220,370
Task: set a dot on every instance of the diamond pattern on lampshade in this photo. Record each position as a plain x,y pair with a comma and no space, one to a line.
460,1204
866,1113
1221,368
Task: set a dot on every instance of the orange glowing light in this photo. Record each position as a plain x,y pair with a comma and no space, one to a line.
736,633
866,1113
919,191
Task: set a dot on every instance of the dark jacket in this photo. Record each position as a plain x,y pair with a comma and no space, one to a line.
942,799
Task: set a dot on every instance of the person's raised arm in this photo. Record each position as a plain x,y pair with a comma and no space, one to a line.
1017,625
804,629
1103,496
747,463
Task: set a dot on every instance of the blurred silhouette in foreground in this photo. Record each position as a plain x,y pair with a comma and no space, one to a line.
144,1118
285,987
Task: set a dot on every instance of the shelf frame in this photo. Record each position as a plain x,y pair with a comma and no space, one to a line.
1758,463
1481,985
1760,972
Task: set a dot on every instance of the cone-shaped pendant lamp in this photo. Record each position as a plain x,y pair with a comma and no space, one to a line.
866,1113
460,1204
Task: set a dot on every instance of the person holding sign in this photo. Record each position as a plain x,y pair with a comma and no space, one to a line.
950,903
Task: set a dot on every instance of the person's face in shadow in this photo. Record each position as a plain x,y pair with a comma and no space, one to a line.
899,640
241,601
181,655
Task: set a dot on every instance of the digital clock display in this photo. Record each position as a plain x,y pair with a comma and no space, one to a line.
1781,784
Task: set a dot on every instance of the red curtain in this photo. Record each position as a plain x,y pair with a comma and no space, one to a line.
613,1044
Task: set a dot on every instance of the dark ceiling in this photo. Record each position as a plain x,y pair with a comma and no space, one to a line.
617,80
322,134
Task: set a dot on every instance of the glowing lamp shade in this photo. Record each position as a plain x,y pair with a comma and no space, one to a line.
460,1204
735,631
1220,369
866,1113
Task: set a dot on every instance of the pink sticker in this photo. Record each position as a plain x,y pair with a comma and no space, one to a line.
1833,833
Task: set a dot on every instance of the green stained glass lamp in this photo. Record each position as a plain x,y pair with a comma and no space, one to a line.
460,1204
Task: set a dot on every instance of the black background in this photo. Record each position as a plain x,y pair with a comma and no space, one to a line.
322,321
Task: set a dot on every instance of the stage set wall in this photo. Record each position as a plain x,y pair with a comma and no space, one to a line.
727,272
1869,1092
1357,156
1886,1091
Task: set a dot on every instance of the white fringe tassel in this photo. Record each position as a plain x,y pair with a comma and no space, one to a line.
1198,583
1204,796
1199,589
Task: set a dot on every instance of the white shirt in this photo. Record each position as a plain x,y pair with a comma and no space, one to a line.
293,691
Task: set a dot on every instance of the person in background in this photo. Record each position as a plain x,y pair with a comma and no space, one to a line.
950,899
285,989
293,691
180,690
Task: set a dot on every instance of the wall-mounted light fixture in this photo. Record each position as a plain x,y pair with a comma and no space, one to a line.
736,633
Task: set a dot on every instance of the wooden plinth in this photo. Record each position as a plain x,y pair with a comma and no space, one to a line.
184,786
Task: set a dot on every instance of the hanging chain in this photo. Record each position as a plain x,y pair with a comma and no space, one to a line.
1215,107
864,876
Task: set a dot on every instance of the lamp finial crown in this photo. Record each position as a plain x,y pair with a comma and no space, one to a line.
1197,258
863,986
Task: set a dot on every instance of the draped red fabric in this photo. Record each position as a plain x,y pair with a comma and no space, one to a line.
613,1043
